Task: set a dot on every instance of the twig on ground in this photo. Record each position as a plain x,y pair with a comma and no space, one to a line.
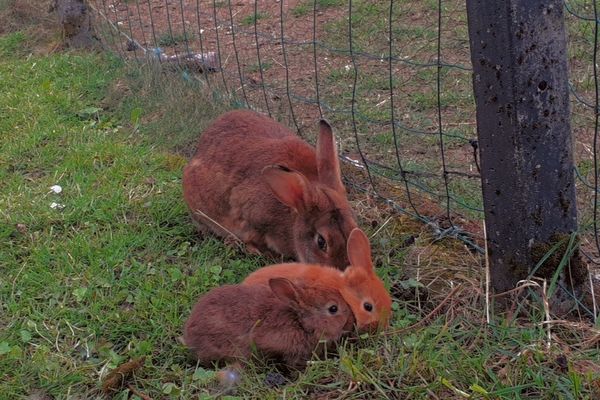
487,276
381,227
594,305
520,286
547,314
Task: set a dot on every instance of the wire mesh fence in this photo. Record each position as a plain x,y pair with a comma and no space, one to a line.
582,24
394,78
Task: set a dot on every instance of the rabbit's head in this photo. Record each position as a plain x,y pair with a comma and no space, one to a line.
363,290
324,218
321,311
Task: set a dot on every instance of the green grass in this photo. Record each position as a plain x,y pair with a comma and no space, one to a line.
113,273
265,65
251,19
303,8
12,43
167,39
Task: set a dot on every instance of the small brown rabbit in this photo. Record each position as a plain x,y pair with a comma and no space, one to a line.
253,179
281,321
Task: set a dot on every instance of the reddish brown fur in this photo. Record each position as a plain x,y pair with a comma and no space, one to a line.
284,324
358,283
235,179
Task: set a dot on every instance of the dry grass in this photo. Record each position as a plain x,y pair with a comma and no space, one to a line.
33,18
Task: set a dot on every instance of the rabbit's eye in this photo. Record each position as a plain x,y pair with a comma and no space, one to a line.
321,242
368,307
333,309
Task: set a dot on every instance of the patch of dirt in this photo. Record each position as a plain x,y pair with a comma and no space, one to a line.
17,15
39,394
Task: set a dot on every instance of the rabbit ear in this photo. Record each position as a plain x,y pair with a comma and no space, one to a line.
285,290
328,163
359,250
290,187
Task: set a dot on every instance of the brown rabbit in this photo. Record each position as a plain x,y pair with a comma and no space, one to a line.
253,179
282,321
358,284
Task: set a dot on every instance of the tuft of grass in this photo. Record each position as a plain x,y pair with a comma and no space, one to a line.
265,65
11,44
307,6
301,10
250,20
167,39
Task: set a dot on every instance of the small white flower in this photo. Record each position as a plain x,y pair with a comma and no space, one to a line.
56,189
201,31
347,68
56,206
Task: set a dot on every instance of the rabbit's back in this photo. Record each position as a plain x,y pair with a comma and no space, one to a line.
218,320
243,142
223,181
227,322
306,274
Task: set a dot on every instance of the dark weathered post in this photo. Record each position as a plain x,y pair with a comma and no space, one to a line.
518,51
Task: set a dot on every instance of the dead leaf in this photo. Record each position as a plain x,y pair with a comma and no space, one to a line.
116,378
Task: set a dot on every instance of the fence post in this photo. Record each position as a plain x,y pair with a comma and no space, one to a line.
75,20
519,57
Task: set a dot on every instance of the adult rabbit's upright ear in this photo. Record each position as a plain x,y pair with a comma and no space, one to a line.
328,163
